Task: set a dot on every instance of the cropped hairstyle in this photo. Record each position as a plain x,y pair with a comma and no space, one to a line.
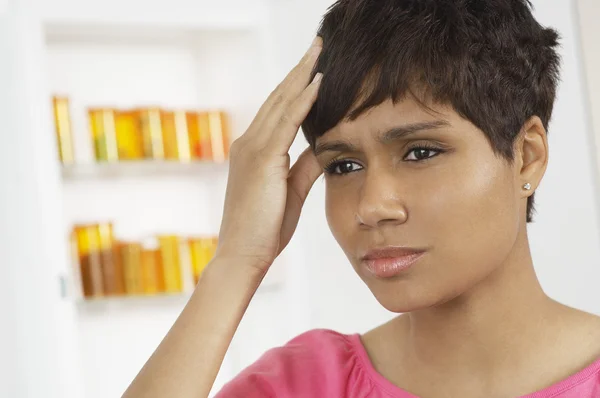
488,59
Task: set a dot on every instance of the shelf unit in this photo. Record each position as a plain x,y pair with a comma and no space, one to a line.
127,54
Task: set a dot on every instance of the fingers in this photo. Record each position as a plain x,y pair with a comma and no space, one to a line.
287,91
299,78
291,119
302,177
304,173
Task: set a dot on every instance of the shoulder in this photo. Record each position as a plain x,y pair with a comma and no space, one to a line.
580,331
308,351
312,364
321,343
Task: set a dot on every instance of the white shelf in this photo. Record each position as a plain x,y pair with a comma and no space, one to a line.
161,299
142,169
186,14
142,35
120,301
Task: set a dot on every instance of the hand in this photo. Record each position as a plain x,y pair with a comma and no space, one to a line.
264,196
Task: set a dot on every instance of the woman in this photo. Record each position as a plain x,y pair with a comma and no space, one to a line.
429,121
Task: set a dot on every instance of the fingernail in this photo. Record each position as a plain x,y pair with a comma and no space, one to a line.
318,77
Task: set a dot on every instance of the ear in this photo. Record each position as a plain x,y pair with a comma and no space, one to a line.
531,155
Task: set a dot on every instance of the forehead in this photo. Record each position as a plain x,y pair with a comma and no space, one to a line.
388,115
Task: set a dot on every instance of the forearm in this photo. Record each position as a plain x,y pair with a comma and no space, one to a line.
187,361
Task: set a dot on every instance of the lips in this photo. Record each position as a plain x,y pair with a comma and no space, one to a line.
392,261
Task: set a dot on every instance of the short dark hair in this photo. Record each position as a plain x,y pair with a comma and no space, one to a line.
489,59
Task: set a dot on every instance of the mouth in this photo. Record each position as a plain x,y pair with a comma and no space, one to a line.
391,261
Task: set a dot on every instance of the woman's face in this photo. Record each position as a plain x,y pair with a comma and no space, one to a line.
419,202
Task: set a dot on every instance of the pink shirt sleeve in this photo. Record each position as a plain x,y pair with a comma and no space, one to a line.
320,363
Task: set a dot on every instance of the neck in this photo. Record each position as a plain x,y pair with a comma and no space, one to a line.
487,328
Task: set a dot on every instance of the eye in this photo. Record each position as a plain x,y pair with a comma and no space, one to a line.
342,167
421,153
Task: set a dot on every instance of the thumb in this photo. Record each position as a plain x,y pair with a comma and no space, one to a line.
301,178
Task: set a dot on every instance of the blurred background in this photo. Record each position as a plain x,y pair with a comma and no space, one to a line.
116,119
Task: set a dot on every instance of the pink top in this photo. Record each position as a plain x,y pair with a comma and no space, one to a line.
326,364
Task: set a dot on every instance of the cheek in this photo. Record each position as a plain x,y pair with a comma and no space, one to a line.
340,207
479,201
337,214
476,217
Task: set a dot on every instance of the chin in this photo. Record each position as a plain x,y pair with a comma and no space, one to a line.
404,305
397,297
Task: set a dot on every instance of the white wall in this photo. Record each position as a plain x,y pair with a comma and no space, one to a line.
35,332
589,13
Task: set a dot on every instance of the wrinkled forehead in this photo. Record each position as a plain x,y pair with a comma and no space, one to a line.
389,115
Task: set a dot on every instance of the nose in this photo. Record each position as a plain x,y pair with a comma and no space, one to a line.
381,201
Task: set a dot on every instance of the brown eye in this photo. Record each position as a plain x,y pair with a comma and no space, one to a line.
419,154
343,167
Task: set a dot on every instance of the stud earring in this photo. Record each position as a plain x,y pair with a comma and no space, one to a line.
527,187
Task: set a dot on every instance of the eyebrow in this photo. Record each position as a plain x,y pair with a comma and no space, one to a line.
391,135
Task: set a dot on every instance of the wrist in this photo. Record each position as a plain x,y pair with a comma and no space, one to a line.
236,268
